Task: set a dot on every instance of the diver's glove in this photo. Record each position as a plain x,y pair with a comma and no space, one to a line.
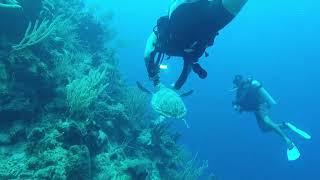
236,107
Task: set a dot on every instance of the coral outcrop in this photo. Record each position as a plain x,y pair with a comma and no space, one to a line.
65,112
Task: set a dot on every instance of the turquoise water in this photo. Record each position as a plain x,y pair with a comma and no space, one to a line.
70,108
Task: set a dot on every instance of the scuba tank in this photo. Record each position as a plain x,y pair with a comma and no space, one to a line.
264,93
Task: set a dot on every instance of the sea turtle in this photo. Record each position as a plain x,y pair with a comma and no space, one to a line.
167,102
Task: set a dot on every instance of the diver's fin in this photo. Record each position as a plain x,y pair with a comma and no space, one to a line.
298,131
188,93
293,153
143,88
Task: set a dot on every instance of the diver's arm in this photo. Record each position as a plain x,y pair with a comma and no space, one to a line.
240,98
270,125
187,67
149,55
234,6
149,52
237,102
242,94
150,49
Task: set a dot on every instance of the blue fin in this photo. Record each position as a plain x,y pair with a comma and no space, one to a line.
293,153
298,131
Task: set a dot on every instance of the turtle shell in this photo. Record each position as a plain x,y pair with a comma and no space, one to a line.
168,103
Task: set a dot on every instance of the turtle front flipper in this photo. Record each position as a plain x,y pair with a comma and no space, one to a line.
159,120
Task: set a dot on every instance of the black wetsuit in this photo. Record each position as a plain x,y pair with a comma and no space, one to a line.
193,24
248,99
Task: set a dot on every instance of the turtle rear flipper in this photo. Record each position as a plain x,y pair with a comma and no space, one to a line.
142,88
188,93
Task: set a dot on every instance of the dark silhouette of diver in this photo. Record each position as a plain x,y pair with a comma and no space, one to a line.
190,27
252,97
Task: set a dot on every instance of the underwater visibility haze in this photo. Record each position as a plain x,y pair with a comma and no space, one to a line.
70,107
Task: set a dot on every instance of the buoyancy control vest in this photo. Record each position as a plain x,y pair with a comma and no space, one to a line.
188,27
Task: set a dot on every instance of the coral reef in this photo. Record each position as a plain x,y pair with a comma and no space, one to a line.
65,111
10,4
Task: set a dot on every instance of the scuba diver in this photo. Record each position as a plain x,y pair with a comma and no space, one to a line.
190,27
252,97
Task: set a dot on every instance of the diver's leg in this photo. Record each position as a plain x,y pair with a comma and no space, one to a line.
283,125
187,67
233,6
266,124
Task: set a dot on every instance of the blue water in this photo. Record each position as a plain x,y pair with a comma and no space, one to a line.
275,41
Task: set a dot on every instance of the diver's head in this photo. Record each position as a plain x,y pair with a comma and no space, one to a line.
238,81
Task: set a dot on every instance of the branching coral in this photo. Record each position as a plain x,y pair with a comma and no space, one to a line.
192,170
71,64
38,33
70,7
82,92
3,79
116,165
136,103
12,4
79,69
12,166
